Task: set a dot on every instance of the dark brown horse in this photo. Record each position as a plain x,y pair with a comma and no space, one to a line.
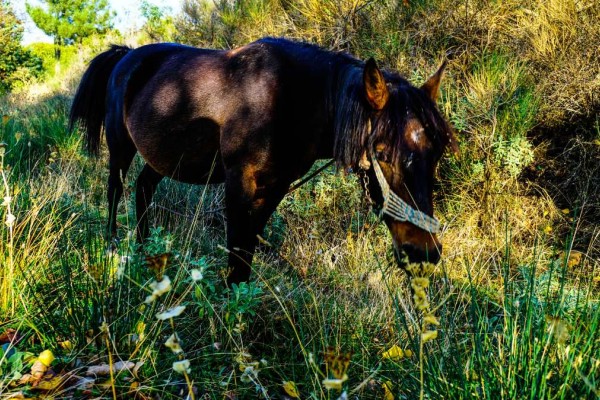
257,118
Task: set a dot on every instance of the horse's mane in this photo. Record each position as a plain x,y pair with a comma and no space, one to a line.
350,113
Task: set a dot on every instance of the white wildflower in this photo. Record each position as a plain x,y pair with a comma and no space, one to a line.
182,366
10,220
196,275
158,289
7,200
170,313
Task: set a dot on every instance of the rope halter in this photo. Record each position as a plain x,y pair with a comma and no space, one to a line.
397,208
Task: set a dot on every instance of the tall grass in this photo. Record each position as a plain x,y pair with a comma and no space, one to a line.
517,291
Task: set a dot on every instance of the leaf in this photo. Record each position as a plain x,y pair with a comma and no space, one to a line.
334,383
50,381
182,366
10,336
291,389
38,370
431,319
158,264
337,363
104,369
572,259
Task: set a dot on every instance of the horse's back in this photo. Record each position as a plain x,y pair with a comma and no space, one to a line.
188,110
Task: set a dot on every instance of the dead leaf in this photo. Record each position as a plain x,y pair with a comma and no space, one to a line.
50,381
38,370
84,383
158,264
231,395
10,336
16,395
25,379
104,369
136,368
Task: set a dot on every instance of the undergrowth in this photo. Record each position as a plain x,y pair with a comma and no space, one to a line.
516,294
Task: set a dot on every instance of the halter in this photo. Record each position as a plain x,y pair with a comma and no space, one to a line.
397,208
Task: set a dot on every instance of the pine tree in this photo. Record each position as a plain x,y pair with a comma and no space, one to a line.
70,21
16,63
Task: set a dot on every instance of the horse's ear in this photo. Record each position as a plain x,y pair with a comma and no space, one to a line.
376,90
432,86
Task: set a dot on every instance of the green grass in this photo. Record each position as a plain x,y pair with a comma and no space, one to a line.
518,319
327,283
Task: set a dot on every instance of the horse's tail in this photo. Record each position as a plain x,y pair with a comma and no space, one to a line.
89,105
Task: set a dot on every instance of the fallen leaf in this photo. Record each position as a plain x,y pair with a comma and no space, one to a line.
136,368
10,336
38,369
429,336
25,379
84,383
104,369
291,389
50,381
16,395
573,258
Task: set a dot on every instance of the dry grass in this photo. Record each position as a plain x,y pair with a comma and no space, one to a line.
327,276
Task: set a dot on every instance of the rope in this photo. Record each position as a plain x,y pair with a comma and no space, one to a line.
309,177
397,208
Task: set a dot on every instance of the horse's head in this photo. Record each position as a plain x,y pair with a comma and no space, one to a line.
406,141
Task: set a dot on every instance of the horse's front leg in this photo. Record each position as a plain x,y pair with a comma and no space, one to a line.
146,185
251,197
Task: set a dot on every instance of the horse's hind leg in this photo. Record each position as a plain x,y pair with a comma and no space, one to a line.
146,185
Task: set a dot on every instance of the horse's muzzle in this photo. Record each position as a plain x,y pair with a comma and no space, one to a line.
417,255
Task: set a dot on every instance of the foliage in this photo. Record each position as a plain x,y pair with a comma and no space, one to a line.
17,65
159,24
516,293
70,21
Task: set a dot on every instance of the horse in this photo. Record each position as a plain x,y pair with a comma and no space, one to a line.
256,118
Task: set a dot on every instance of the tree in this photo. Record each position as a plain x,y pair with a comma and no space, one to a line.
16,63
70,21
159,25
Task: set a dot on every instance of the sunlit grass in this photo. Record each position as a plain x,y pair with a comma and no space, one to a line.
327,311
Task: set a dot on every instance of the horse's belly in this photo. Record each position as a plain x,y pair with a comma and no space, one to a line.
188,155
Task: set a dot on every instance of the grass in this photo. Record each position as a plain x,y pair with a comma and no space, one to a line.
516,294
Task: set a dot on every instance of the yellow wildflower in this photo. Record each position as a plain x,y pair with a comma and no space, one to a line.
394,353
46,357
428,336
